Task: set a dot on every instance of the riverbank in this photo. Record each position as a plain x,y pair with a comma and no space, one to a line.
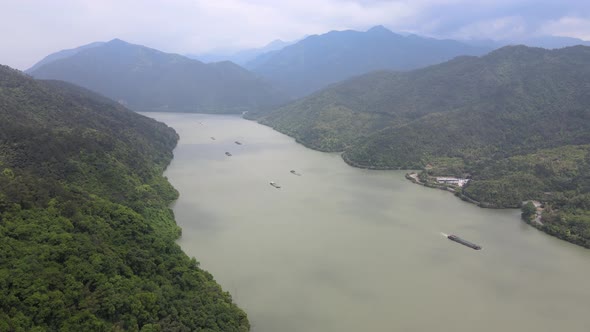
357,165
413,177
535,221
285,256
560,232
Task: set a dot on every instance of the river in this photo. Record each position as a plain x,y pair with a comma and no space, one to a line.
346,249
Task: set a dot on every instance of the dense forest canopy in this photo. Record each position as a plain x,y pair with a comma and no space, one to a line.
495,118
86,235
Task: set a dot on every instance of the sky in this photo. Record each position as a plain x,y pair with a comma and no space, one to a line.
32,29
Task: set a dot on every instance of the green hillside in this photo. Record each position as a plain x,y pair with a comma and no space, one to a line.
510,102
145,79
87,241
559,177
463,117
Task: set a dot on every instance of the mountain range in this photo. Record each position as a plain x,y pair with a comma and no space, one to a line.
145,79
240,57
320,60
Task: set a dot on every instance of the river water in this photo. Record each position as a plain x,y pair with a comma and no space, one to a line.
346,249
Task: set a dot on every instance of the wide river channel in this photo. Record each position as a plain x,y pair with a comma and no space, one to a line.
341,249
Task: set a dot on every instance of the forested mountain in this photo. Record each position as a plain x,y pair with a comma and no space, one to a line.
497,117
87,241
317,61
145,79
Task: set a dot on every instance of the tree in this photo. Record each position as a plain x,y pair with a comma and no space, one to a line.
528,211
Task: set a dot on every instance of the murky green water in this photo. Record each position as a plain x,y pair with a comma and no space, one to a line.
344,249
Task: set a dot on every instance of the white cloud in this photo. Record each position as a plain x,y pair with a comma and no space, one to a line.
568,26
511,27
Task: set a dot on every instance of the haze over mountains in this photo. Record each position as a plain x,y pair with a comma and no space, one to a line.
240,57
320,60
145,79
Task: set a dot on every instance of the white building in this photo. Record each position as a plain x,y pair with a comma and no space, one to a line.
454,181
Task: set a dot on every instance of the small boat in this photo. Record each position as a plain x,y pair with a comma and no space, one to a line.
213,138
274,184
228,154
463,242
238,143
295,172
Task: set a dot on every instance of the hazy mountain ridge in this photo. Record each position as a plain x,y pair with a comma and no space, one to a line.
86,233
145,79
241,57
320,60
62,55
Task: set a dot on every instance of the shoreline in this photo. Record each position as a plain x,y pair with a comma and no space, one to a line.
378,168
458,194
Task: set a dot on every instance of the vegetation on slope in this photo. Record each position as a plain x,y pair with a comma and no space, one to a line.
512,85
145,79
559,177
467,117
86,235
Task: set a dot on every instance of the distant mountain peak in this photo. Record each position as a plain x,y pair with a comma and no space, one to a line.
379,29
276,43
117,41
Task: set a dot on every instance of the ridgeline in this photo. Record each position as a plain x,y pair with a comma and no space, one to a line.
320,60
87,241
145,79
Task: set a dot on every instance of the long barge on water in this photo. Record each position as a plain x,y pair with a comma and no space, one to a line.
463,242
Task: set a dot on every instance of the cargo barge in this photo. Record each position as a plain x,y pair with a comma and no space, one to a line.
463,242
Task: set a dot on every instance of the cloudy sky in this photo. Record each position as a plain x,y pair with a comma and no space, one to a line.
31,29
